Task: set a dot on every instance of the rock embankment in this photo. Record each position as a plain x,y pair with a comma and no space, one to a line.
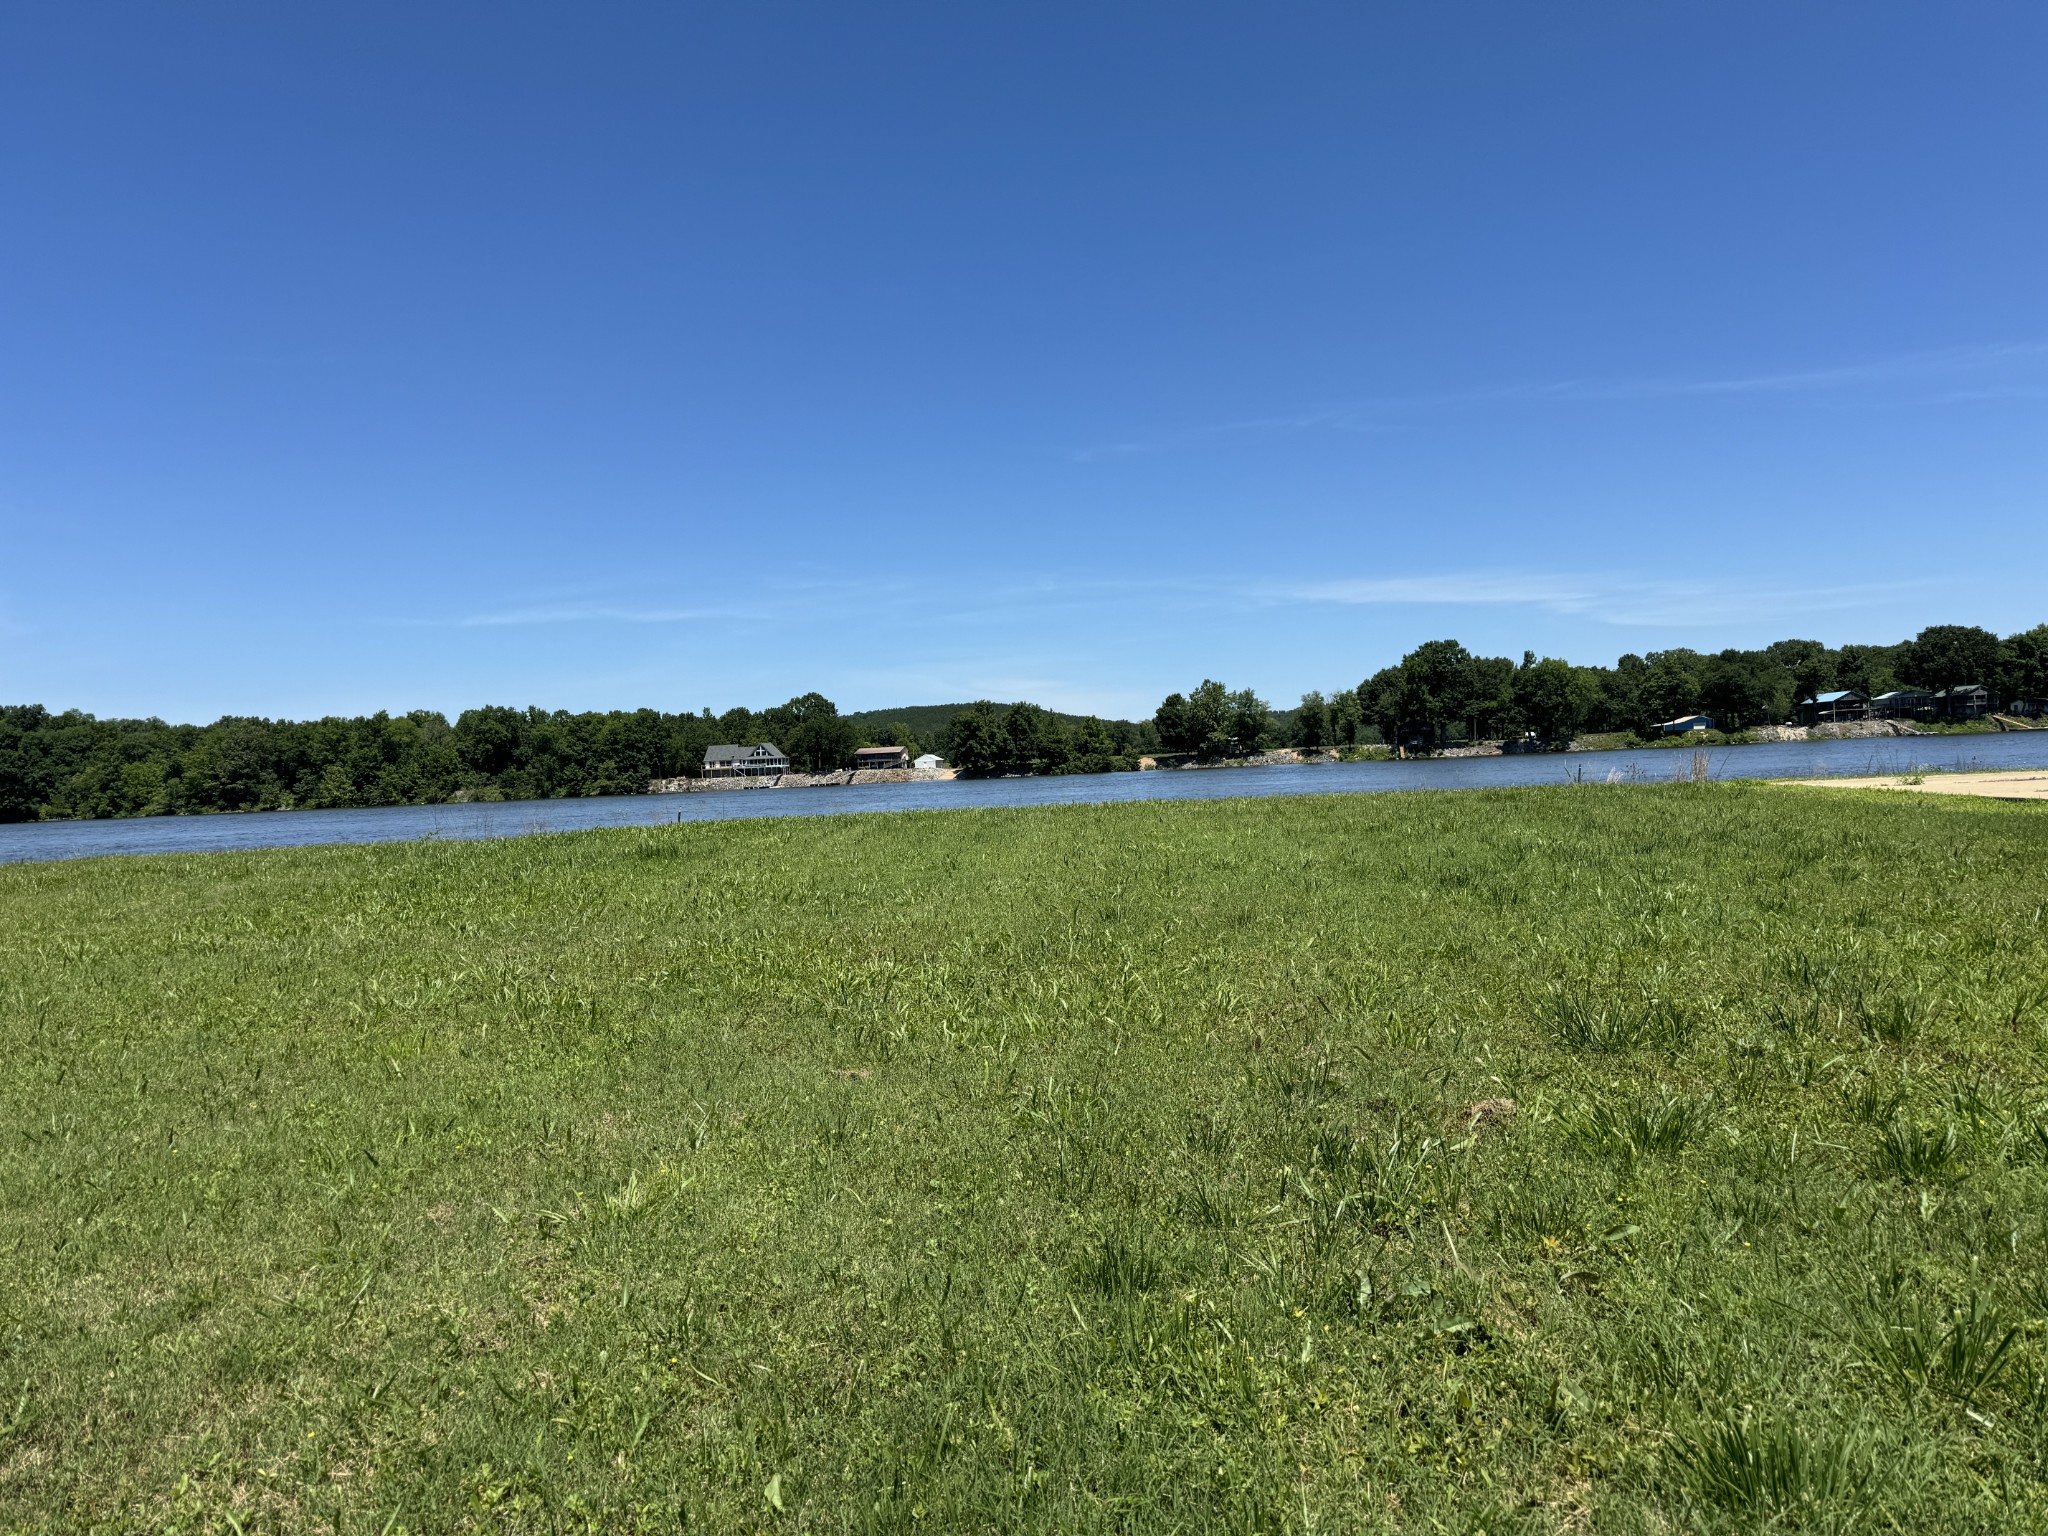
1836,730
839,777
1277,758
1280,756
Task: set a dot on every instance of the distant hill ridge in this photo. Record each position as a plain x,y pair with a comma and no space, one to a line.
927,720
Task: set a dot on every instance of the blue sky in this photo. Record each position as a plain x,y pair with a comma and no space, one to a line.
391,357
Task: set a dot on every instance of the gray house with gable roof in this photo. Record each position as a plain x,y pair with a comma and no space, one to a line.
728,762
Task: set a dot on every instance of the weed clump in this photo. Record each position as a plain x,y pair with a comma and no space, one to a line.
1582,1021
1630,1132
1915,1154
1751,1464
1960,1354
1893,1019
1121,1263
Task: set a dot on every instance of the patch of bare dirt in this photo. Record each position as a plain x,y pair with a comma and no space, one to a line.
1487,1115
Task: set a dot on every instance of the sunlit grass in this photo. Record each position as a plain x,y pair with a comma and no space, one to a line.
1635,1159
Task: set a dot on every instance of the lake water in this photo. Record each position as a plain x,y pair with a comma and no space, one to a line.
386,824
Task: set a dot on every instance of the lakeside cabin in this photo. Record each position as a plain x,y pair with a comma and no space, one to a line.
929,762
1901,704
1965,701
729,762
881,757
1828,708
1685,723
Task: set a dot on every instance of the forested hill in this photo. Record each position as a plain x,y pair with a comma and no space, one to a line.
928,722
924,721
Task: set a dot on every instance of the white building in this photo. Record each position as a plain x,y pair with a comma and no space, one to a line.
929,761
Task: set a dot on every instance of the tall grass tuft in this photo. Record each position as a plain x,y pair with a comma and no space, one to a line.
1755,1465
1633,1131
1893,1019
1583,1022
1121,1263
1916,1154
1960,1355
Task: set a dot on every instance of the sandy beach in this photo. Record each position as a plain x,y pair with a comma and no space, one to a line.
2016,784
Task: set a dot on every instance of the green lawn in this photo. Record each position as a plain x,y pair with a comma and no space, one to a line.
1084,1169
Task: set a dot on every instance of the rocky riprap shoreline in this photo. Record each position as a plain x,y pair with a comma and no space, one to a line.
1832,731
838,777
1277,758
1838,730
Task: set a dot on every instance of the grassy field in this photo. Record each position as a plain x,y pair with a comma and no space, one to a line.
1617,1159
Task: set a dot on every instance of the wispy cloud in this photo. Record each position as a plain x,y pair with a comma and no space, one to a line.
1458,588
1069,603
1962,374
582,613
1609,597
639,603
556,613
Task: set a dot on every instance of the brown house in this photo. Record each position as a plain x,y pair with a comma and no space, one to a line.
882,757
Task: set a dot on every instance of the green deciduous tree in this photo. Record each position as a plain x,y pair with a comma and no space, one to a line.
1348,725
977,740
809,730
1312,722
2023,665
1552,698
1741,689
1944,655
1670,686
1251,723
1421,699
1869,669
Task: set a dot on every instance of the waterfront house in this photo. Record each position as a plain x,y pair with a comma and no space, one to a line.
1827,708
881,757
728,762
1685,723
1901,704
1965,701
930,762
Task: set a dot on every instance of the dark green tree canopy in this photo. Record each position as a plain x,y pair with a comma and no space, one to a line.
2023,665
1214,722
1944,655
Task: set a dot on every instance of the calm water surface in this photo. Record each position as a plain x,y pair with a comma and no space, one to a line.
387,824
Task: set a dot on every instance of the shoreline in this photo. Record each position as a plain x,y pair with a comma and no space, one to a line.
564,813
2011,784
838,778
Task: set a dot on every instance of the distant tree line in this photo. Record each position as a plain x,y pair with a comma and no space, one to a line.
55,766
70,765
1440,691
986,739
